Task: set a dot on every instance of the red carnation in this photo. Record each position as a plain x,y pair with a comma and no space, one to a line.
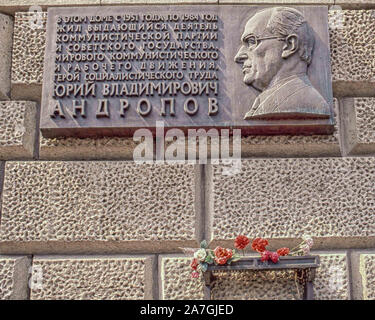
254,245
194,264
221,261
274,257
283,251
259,244
222,255
241,242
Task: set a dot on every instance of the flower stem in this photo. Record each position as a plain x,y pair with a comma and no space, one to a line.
298,245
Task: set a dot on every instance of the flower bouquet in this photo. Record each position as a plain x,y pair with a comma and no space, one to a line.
301,249
203,257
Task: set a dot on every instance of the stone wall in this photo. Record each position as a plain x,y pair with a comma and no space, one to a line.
95,225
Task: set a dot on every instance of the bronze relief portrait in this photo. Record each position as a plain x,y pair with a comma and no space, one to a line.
277,46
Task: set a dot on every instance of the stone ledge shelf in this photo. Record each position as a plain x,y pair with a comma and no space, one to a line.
304,266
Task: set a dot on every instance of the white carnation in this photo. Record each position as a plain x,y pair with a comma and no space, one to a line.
309,241
200,254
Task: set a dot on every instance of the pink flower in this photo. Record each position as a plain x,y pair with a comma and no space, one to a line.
195,274
265,256
274,257
306,250
194,264
308,240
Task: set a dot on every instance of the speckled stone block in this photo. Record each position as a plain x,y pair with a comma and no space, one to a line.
355,4
293,146
120,148
49,2
332,277
175,280
93,277
367,272
352,34
276,2
6,35
156,2
13,6
96,206
17,129
14,277
358,118
28,55
331,281
332,199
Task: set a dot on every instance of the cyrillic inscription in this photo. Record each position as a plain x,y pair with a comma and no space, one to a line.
128,67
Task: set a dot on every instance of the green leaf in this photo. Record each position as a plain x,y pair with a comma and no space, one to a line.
235,258
204,244
209,259
204,266
210,256
236,255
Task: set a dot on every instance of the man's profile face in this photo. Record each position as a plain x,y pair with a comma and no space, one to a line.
260,61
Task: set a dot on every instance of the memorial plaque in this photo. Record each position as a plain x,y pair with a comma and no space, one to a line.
112,70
